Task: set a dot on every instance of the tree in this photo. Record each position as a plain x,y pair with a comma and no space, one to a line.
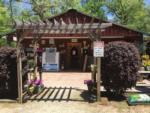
64,5
141,20
124,10
4,19
95,8
131,13
41,8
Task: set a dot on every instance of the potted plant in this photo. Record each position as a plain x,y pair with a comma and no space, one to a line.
34,86
146,62
91,85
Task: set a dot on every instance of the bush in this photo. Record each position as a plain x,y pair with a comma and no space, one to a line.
8,73
120,66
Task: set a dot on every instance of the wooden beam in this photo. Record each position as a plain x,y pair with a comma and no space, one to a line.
19,67
70,31
84,21
48,23
69,21
56,22
62,22
55,27
105,25
63,37
69,26
77,21
98,78
35,58
91,23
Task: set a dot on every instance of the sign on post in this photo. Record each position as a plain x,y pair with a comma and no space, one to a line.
98,53
99,49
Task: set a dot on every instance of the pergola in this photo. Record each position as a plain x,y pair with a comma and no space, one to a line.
39,28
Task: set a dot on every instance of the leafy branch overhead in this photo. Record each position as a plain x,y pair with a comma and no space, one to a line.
131,13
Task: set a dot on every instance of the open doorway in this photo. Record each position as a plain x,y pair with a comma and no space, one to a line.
74,56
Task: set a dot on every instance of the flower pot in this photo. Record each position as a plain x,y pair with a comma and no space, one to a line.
92,87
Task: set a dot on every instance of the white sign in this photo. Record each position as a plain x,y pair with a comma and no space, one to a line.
98,49
51,41
74,40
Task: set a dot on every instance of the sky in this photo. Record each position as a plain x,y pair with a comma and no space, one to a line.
147,2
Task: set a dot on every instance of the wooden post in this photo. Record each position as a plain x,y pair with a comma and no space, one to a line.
93,75
98,78
19,73
35,58
85,63
95,63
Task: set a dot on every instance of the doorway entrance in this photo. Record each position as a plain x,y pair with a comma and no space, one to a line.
74,56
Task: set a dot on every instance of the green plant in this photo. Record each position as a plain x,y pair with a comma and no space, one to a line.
120,66
31,63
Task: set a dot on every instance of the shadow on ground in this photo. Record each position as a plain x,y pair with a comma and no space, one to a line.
58,94
91,97
74,94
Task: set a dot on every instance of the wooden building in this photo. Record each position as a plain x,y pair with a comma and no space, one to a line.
70,36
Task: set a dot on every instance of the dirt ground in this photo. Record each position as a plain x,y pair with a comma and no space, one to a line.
65,93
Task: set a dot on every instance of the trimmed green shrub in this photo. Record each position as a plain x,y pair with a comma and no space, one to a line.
120,66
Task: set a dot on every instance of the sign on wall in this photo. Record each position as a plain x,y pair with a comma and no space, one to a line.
50,60
98,49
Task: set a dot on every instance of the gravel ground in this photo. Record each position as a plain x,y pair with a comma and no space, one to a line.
75,103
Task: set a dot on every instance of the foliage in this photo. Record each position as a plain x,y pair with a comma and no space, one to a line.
34,86
145,60
120,66
131,13
4,19
3,42
41,8
8,72
95,8
64,5
31,63
13,44
91,85
123,10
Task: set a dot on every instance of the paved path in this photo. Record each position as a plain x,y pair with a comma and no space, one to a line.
67,86
66,79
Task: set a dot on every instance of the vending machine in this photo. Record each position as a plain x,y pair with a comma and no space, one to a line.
50,60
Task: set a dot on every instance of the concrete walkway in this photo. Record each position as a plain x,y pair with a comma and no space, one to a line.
63,86
66,79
